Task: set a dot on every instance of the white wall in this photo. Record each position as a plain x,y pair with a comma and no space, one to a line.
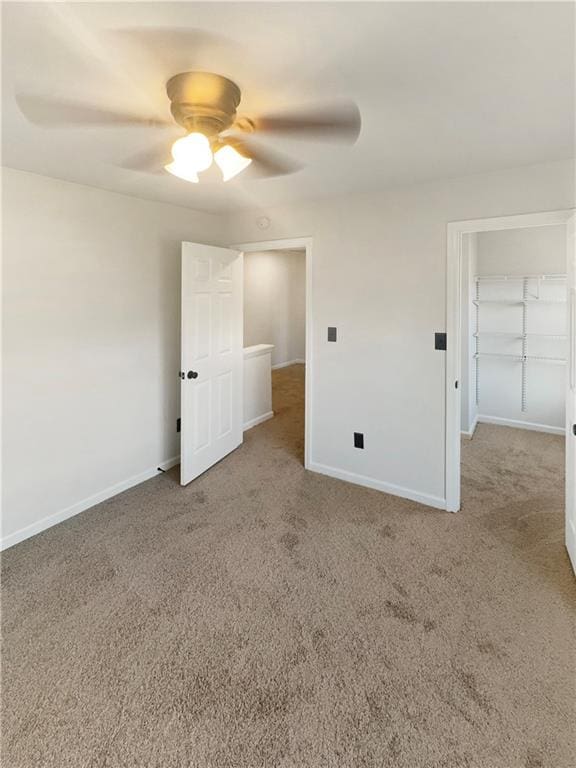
469,409
275,303
91,301
91,338
531,250
379,275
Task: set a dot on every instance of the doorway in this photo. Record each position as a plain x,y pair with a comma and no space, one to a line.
511,360
277,315
214,362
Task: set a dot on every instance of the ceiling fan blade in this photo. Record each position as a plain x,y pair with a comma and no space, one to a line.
150,160
333,122
265,162
56,113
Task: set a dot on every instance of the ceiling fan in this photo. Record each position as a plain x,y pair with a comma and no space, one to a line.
204,105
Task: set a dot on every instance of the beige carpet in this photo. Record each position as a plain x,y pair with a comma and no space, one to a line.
266,617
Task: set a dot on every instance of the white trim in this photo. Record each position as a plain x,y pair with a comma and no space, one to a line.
81,506
516,424
517,221
297,361
258,420
469,434
378,485
257,350
455,231
291,243
571,542
453,354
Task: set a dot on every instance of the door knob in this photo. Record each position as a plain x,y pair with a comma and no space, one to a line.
192,374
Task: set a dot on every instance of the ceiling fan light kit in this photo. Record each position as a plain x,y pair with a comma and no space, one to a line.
192,154
205,105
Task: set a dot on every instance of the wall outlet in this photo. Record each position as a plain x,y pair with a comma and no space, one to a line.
332,334
358,439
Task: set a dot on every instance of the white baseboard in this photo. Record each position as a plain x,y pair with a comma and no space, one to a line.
534,426
297,361
81,506
379,485
258,420
470,433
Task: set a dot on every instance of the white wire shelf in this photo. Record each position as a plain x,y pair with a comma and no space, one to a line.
520,358
520,342
501,334
545,301
548,335
510,278
477,302
497,354
510,335
519,302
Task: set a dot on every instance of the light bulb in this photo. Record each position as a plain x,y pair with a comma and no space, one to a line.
191,154
230,161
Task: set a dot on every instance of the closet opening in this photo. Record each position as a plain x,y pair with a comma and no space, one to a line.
511,373
514,334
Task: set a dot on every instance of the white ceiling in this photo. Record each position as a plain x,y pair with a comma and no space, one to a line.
445,89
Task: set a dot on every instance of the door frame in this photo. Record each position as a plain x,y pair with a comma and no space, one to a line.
455,232
306,244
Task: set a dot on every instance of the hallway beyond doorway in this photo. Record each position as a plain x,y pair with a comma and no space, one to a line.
288,404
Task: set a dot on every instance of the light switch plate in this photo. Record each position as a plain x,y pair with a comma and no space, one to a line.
440,341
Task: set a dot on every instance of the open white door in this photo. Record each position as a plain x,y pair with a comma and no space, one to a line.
211,372
571,397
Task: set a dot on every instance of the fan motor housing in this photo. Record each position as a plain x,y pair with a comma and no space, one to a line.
203,101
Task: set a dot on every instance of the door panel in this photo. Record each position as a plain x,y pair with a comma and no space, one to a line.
201,329
571,397
225,325
212,340
225,405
